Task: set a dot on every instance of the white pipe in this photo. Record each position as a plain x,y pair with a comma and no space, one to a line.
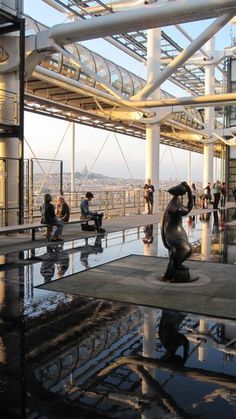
55,6
153,131
208,151
153,16
170,102
116,6
185,54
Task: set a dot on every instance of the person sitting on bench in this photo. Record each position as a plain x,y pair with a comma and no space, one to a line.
91,215
63,209
49,217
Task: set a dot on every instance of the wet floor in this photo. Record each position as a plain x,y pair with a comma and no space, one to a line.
64,356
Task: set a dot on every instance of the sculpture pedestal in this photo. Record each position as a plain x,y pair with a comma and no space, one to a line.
181,276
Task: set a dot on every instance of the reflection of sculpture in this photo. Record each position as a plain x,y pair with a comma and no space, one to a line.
174,236
170,337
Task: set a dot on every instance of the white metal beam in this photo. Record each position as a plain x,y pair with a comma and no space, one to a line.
185,54
147,17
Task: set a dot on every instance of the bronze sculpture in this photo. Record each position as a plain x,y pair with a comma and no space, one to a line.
174,236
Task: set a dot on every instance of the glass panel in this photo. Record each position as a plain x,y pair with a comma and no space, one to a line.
127,82
115,76
101,68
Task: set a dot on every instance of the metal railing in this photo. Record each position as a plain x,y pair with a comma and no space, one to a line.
112,203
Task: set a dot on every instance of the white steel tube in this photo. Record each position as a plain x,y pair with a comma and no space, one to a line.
147,17
153,131
190,101
208,152
185,54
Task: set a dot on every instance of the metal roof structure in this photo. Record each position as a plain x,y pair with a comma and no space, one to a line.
58,88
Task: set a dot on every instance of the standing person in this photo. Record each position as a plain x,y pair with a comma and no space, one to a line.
92,215
206,196
216,193
49,217
234,193
148,195
223,193
194,193
63,209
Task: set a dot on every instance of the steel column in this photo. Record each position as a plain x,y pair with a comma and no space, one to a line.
209,117
153,131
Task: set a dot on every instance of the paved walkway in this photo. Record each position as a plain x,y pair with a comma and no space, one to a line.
18,242
135,279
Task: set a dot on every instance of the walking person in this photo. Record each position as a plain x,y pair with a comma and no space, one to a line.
63,209
49,217
92,215
148,195
234,194
216,193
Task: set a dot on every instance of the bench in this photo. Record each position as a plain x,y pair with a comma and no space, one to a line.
21,227
36,226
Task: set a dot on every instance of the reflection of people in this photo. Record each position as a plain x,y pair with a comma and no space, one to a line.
215,229
192,221
63,209
90,249
170,337
92,215
205,217
148,231
54,256
148,195
49,217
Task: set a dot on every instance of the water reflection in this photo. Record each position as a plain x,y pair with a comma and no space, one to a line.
171,338
65,356
55,257
148,234
116,360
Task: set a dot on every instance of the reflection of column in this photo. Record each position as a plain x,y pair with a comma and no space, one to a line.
147,249
153,131
72,189
202,349
206,241
10,148
149,350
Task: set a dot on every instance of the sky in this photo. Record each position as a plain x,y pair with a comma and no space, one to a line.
97,149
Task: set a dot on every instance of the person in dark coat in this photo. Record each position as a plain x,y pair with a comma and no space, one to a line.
91,215
49,217
148,195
